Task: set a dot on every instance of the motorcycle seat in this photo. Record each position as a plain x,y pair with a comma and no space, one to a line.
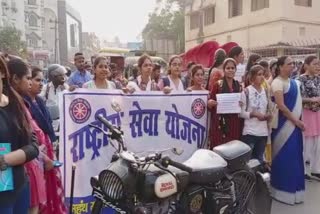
232,150
207,167
236,153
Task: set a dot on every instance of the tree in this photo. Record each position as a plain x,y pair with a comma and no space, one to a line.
11,41
181,3
167,23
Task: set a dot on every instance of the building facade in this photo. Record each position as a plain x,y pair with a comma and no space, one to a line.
90,44
50,33
253,24
52,29
12,14
38,54
70,32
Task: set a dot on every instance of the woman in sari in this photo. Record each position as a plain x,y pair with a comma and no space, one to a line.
287,170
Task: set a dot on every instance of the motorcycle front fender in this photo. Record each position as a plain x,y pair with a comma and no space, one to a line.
261,201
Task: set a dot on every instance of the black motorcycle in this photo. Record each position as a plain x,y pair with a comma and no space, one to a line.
222,181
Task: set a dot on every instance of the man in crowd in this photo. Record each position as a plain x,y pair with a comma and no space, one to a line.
50,92
81,75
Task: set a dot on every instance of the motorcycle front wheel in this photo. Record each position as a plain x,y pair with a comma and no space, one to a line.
97,207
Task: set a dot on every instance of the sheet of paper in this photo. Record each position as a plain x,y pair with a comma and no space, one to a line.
228,103
241,70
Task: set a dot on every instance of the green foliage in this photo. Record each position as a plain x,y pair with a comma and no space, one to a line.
10,41
168,23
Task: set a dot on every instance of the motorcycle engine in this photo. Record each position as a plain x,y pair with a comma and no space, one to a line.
217,199
192,200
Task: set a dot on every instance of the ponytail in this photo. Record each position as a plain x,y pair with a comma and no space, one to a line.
280,62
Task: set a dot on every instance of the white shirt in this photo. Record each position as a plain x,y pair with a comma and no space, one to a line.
92,85
258,101
135,86
174,87
51,95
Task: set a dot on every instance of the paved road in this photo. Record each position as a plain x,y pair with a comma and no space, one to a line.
310,206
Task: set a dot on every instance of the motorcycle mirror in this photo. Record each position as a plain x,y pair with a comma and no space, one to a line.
115,106
177,151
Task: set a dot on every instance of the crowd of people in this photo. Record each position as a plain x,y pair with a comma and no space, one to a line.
274,109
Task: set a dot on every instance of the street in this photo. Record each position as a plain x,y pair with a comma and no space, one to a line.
310,206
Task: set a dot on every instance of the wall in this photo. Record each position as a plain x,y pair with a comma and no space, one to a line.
278,23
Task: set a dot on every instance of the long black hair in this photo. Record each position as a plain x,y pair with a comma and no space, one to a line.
235,51
219,57
252,60
16,104
307,61
280,62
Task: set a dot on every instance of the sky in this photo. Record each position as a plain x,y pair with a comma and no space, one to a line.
109,18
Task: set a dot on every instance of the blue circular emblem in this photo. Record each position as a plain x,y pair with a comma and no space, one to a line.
198,108
80,110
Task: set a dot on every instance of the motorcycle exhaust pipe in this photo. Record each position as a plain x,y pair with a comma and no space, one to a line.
266,177
261,202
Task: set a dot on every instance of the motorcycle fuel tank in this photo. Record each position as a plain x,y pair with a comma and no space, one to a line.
165,186
155,183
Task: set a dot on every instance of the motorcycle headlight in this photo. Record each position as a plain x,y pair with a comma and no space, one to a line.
111,184
117,180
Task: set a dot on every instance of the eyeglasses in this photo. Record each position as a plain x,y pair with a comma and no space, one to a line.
147,65
176,64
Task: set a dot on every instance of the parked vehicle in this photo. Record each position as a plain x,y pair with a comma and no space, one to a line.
222,181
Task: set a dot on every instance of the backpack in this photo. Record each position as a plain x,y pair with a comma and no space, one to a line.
166,82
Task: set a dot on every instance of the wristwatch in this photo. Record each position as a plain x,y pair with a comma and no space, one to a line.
3,164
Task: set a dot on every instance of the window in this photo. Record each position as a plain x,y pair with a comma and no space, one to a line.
33,20
302,31
259,4
33,42
209,15
235,8
32,2
305,3
194,20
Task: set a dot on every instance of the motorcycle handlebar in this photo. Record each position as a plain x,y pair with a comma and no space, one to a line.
108,125
115,133
153,157
166,161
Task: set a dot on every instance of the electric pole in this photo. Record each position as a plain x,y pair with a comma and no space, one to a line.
56,22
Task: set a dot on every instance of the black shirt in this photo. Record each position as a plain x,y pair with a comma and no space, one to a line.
9,133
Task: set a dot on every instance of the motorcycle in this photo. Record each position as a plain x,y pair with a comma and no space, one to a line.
222,181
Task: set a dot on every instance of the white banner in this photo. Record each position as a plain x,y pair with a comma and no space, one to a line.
151,121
